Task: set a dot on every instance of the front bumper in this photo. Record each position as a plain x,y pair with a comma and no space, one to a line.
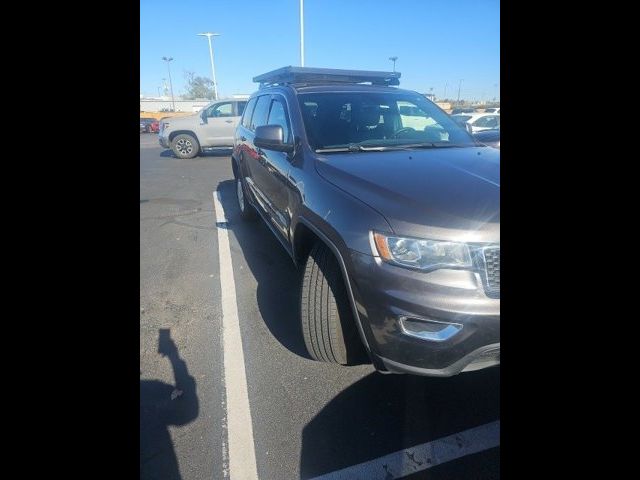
164,142
385,294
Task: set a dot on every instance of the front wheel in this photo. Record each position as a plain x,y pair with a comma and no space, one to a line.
185,146
328,325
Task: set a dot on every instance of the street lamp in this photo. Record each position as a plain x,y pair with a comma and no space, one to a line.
173,101
302,33
393,59
459,85
213,68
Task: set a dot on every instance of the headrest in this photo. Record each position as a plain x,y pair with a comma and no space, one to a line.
369,116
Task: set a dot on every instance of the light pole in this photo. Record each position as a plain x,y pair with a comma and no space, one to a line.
393,59
302,33
213,69
459,85
444,97
173,101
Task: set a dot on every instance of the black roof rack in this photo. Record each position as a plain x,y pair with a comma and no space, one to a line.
306,75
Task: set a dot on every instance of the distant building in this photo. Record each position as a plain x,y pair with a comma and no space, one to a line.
164,104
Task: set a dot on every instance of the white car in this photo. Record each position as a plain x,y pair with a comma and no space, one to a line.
213,126
478,121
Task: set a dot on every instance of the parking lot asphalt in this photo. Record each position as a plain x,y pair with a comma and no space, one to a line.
308,419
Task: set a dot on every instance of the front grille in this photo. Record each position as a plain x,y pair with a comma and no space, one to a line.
492,270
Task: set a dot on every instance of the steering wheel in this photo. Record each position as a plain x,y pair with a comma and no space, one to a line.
402,130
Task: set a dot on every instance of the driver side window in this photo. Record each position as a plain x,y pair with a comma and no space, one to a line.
490,121
220,110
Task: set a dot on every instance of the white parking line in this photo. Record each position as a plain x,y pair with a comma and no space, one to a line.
241,450
423,456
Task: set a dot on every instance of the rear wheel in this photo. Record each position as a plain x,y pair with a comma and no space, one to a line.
247,212
185,146
328,326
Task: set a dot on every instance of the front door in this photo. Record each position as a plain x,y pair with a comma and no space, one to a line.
268,168
485,123
222,119
274,167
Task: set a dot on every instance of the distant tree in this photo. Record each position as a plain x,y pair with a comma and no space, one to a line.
198,87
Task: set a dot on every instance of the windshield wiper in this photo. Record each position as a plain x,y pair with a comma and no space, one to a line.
352,147
356,147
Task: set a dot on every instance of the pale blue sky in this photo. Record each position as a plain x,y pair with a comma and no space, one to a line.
437,42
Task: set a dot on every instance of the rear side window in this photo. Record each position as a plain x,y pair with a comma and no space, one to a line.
241,106
246,119
260,113
278,116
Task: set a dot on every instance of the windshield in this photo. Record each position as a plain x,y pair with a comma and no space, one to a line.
338,120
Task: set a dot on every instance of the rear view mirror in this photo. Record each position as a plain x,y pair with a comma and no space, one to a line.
271,137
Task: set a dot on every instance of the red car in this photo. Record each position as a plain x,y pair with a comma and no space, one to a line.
149,125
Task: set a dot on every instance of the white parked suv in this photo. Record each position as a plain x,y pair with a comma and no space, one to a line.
212,127
478,121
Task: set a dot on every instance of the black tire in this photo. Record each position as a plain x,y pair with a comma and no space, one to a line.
247,212
185,146
328,326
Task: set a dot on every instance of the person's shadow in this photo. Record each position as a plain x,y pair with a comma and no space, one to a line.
162,405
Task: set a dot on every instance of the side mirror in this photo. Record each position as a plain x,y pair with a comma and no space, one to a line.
203,116
271,137
469,128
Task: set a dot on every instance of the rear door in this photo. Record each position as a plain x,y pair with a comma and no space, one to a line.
253,157
242,147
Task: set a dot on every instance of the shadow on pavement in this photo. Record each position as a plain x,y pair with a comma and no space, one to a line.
381,414
216,152
162,405
277,277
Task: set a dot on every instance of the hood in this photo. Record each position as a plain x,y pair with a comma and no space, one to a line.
440,193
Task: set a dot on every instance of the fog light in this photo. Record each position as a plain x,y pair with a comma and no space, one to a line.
431,330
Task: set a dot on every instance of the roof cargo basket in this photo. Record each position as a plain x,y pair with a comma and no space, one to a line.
309,76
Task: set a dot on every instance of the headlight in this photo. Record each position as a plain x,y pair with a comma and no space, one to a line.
422,254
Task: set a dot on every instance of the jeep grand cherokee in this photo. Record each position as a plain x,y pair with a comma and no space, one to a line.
391,210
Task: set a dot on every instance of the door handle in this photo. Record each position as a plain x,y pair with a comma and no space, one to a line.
228,121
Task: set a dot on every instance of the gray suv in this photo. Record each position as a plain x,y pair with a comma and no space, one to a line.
390,209
211,127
